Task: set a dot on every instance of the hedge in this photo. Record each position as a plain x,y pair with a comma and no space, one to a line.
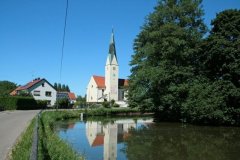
20,103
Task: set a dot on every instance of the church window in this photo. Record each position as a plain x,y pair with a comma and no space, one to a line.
114,68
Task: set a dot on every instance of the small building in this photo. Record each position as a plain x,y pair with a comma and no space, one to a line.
40,89
109,87
68,95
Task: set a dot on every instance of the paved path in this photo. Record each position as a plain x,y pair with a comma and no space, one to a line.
12,124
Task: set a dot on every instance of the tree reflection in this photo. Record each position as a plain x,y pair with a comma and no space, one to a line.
173,141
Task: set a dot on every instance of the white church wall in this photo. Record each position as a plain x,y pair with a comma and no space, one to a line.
92,91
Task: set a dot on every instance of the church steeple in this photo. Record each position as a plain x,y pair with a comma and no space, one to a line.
111,72
112,55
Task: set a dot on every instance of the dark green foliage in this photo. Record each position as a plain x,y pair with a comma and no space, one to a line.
81,102
6,87
216,100
106,104
20,103
182,76
67,88
161,65
116,105
61,87
173,141
55,86
63,103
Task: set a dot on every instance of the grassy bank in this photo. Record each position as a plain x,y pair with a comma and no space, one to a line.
22,149
50,146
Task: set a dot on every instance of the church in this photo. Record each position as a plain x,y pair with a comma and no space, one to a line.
109,87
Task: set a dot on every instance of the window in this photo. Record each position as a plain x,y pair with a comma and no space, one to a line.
102,92
42,84
36,93
48,94
114,68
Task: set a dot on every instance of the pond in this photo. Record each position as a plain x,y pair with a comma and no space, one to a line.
143,139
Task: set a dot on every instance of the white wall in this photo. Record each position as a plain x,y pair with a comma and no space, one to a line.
43,90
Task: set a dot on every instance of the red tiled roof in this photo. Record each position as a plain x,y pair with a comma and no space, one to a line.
98,141
71,96
100,81
26,86
29,85
14,92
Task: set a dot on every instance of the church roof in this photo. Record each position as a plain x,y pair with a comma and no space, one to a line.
112,49
100,81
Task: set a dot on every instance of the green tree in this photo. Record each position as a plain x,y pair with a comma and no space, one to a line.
59,88
214,96
220,54
164,52
67,88
55,86
6,87
64,87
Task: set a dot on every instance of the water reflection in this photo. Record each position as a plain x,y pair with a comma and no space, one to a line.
110,134
142,139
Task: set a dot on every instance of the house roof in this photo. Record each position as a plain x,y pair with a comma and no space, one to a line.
29,85
71,96
100,81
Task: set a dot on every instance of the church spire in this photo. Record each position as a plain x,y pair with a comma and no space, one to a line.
112,49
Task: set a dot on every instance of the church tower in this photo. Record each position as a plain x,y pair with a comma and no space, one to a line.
111,72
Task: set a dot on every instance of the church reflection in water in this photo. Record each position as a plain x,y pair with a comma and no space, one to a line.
110,134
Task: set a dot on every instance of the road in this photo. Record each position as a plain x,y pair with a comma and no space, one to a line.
12,124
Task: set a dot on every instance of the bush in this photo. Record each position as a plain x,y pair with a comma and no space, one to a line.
115,105
63,103
18,103
106,104
42,104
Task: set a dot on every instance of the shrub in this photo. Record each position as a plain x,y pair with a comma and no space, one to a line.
62,103
18,103
115,105
106,104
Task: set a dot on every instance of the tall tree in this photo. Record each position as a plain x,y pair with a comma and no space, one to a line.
55,86
215,97
59,88
67,88
6,87
64,87
162,63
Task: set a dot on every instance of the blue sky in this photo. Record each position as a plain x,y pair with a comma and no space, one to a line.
31,37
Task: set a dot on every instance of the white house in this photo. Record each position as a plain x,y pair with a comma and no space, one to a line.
40,89
109,87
